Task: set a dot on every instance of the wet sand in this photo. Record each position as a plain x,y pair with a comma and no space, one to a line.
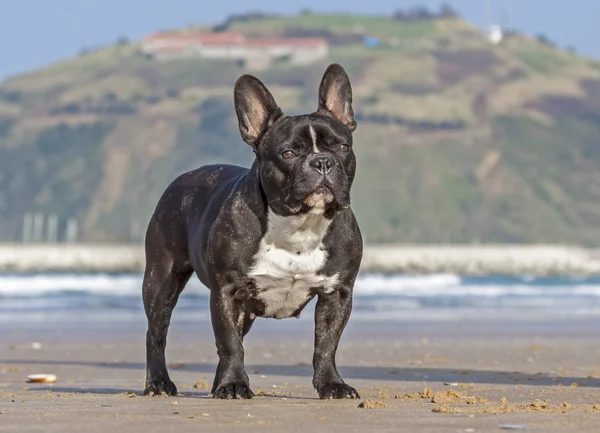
446,377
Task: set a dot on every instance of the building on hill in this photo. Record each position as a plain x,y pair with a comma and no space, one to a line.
259,52
496,34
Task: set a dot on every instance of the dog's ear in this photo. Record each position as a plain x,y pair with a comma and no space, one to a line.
255,107
335,96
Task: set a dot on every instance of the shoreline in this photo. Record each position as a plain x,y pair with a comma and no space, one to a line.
466,260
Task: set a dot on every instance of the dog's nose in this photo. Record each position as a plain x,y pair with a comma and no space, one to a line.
321,163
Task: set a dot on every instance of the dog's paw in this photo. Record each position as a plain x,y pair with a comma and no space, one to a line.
160,387
337,390
233,390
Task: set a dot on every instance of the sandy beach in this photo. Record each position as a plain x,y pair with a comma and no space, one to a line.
412,377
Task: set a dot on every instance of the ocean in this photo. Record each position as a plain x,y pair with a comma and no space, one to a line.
95,299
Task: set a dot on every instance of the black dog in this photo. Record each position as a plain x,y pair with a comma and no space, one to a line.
264,240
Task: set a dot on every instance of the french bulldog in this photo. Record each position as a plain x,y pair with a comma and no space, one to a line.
264,240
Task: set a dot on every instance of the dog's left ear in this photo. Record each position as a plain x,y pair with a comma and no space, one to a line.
255,107
335,95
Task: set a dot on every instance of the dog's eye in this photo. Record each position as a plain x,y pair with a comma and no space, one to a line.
288,154
344,147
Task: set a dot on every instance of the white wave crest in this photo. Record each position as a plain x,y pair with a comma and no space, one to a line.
368,285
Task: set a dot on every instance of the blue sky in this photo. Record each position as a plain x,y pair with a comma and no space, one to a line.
37,32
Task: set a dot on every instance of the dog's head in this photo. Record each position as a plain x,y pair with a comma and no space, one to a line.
306,162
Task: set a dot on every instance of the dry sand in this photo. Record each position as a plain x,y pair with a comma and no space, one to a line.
451,378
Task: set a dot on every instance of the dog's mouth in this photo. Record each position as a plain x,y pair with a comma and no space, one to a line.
320,197
319,201
323,200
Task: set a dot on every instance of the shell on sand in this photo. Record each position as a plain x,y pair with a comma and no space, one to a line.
41,378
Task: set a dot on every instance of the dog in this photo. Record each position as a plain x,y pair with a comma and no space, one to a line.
264,240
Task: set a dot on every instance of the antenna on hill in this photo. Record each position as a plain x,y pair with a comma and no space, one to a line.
493,29
508,7
487,15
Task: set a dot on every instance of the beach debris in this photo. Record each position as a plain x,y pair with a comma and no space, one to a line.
201,384
383,393
451,383
449,396
251,416
130,394
514,427
205,414
427,393
537,406
41,378
372,404
36,345
443,409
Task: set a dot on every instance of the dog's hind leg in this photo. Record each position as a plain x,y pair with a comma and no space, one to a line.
163,282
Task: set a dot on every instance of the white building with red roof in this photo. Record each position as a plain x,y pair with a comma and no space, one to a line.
167,46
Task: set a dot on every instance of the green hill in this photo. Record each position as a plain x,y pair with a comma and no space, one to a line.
458,140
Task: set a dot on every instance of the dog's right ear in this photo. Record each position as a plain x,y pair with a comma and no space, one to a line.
255,107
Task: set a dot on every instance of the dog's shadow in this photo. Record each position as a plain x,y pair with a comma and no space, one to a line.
371,373
138,392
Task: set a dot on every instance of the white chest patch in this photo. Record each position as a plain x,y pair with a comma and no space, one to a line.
287,264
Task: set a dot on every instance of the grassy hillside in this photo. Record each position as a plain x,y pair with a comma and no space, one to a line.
458,140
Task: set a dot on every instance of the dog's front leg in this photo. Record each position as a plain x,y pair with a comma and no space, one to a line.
331,315
230,322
